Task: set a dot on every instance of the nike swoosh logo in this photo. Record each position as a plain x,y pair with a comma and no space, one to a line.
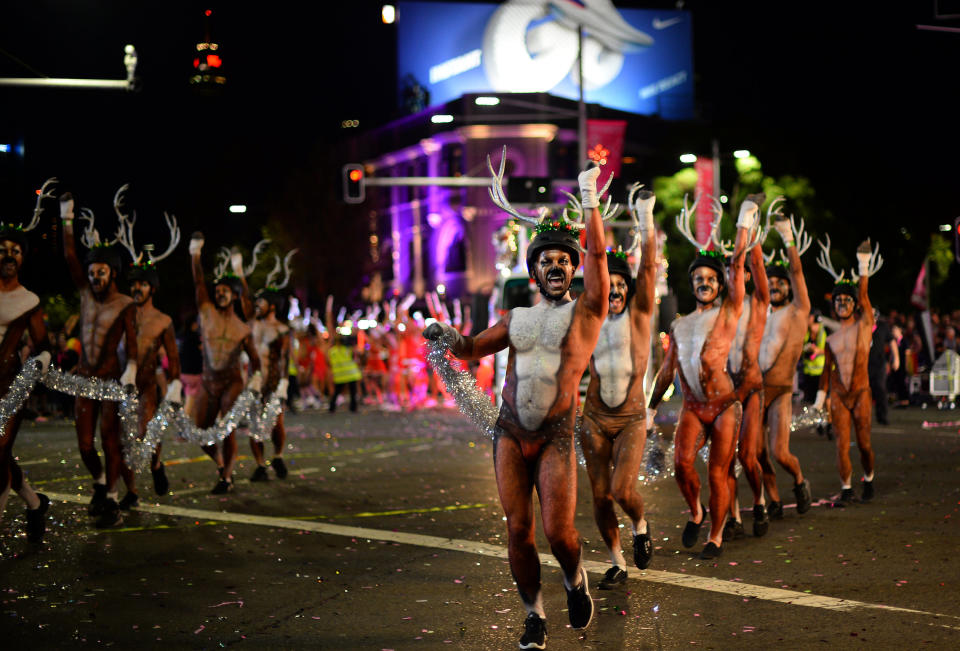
663,24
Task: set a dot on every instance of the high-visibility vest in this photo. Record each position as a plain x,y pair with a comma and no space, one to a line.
814,365
342,364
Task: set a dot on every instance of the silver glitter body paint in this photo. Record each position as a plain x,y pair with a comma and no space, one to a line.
15,304
774,337
690,332
735,359
612,359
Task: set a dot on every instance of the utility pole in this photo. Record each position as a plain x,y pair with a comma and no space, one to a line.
581,107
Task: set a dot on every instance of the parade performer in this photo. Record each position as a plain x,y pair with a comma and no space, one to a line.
20,313
154,333
845,375
271,338
614,414
106,318
225,336
748,384
342,358
699,346
780,351
549,348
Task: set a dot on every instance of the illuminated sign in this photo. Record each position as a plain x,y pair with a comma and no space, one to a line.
637,60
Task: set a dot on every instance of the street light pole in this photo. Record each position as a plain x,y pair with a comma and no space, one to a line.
715,152
581,106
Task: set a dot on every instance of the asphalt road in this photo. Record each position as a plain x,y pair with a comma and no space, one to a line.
388,534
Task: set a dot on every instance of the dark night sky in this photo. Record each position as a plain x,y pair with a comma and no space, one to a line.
853,97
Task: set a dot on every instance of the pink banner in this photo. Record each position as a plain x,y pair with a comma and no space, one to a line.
704,169
605,146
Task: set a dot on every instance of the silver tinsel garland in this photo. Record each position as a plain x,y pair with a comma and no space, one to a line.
808,417
473,403
18,392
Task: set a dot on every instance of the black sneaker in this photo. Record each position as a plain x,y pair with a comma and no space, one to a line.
847,497
711,551
160,483
642,549
535,633
692,531
867,494
733,530
129,501
260,474
279,467
802,493
579,603
775,510
760,520
111,515
614,577
98,499
223,486
36,522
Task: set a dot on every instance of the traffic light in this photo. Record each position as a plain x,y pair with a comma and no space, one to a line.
956,239
353,186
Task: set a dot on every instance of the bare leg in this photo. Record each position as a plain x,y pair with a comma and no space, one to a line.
627,459
279,436
686,445
861,421
751,431
230,443
86,412
110,439
723,447
557,489
840,417
598,451
779,415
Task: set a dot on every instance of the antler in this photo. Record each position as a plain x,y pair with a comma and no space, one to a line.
257,250
634,216
683,221
91,237
876,261
46,192
607,213
497,194
823,260
801,239
174,238
724,246
223,262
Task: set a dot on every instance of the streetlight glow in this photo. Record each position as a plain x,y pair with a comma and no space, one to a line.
741,153
688,158
486,101
945,228
388,14
441,118
238,208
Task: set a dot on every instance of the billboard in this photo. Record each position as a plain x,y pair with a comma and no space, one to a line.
636,60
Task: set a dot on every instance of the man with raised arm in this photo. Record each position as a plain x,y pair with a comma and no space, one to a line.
614,414
20,314
780,351
845,376
224,336
699,346
107,317
748,384
271,338
549,348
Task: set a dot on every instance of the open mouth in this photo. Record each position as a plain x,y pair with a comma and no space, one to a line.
555,282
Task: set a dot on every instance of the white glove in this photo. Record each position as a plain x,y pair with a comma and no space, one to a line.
786,231
588,187
236,263
174,391
863,257
821,398
748,214
129,376
66,206
644,209
282,388
44,359
254,382
196,244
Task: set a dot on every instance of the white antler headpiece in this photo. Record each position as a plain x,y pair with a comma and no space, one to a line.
275,272
634,217
499,197
125,231
608,212
683,222
824,262
91,236
876,260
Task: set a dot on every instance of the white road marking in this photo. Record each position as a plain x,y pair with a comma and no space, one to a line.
485,549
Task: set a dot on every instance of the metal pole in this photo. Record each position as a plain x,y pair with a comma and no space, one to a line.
114,84
581,106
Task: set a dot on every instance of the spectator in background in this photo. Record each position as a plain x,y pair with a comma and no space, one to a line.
949,340
812,359
884,357
898,376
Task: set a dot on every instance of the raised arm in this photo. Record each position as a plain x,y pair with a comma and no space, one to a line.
69,244
748,215
246,302
801,298
596,279
200,285
664,375
759,273
643,298
173,355
863,261
328,317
